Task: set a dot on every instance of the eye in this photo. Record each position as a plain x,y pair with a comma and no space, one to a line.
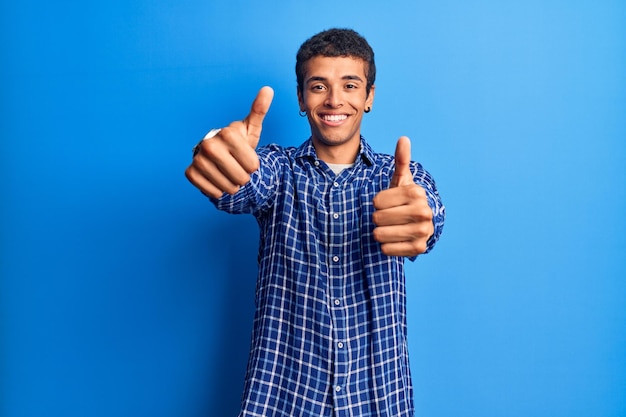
351,86
318,87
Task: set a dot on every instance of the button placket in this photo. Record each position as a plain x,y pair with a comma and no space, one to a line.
336,287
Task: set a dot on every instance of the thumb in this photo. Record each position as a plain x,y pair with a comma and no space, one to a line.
254,120
402,174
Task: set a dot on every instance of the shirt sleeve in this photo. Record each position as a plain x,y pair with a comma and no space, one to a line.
259,193
426,181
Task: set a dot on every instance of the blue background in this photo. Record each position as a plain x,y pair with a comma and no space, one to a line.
125,293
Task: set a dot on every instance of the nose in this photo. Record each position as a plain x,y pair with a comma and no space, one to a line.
334,98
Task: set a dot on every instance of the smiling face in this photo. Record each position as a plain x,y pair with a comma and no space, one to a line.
334,96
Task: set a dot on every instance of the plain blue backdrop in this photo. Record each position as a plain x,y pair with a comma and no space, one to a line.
125,293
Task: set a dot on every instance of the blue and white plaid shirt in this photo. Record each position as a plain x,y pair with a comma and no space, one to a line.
329,334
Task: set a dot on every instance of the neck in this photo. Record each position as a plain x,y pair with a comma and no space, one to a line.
338,154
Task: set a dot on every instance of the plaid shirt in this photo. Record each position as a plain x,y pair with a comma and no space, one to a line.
329,335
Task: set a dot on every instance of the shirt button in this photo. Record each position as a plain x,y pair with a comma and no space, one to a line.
316,163
335,215
336,258
340,345
337,302
335,184
337,388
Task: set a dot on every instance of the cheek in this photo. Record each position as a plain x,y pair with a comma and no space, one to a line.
313,101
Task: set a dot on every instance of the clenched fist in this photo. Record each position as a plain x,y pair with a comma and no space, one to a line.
403,218
224,162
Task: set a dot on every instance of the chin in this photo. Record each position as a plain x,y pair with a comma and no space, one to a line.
334,140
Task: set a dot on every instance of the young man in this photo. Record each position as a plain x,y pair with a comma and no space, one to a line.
336,221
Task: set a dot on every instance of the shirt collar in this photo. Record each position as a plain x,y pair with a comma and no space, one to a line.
306,150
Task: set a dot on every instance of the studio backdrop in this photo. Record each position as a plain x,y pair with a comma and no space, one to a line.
124,293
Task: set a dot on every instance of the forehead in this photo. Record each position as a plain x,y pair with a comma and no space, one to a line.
335,67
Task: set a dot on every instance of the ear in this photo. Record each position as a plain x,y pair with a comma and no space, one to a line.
300,99
369,101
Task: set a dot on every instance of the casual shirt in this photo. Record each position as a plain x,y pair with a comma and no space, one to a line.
329,334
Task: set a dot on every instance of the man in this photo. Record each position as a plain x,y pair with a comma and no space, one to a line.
336,221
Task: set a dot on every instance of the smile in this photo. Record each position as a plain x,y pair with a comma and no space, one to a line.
334,118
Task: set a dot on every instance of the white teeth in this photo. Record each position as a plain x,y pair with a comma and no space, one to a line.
335,117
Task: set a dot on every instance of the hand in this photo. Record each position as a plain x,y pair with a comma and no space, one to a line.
403,217
224,163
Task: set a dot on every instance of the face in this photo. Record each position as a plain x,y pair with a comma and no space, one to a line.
334,97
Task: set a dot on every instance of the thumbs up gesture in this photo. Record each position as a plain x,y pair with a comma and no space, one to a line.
224,162
403,218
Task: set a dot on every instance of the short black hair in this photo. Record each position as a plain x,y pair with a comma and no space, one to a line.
336,43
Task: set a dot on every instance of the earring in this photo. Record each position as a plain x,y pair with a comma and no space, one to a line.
369,109
302,113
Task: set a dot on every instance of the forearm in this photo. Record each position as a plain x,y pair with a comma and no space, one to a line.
258,194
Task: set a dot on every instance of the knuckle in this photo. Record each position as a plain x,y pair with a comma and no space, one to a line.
221,140
254,165
232,189
414,217
419,249
417,246
235,125
376,201
377,234
233,133
213,193
422,229
427,217
211,148
243,179
189,172
199,165
193,175
421,214
414,191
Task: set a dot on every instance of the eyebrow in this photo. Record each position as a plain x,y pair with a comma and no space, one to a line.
345,78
